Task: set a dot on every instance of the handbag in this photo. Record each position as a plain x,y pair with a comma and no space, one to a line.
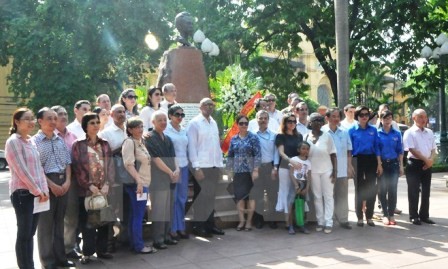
99,213
122,175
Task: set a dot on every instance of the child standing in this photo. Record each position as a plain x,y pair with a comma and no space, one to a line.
301,178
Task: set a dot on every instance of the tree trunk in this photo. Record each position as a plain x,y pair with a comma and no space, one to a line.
342,51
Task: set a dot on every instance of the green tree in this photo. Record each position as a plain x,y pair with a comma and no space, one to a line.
63,51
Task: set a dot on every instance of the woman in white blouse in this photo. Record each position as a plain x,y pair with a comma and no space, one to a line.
180,140
154,97
323,160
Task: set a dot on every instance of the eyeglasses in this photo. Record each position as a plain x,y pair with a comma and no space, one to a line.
158,94
97,122
132,96
291,121
29,119
243,123
177,115
362,115
270,100
301,109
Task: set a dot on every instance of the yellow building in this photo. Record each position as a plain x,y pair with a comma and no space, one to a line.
7,106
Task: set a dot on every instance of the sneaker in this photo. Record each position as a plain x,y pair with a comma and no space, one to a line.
291,230
327,229
319,228
303,230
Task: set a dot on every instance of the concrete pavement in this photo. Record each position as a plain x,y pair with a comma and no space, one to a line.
404,245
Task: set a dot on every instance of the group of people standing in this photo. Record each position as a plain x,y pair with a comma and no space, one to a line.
280,153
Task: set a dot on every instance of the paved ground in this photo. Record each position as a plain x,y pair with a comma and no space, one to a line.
404,245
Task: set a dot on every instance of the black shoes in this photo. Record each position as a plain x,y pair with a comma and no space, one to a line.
346,225
158,245
105,255
202,233
416,221
273,225
73,255
171,242
217,231
66,264
428,220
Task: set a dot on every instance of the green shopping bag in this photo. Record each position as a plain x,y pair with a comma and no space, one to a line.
299,204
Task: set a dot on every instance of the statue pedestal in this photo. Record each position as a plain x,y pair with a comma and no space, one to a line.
184,68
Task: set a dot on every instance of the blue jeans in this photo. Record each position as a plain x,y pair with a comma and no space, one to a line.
136,214
388,187
23,203
180,198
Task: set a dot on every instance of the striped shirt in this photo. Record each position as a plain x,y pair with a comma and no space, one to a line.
54,154
25,166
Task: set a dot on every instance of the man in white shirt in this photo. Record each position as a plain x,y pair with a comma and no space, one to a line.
301,113
116,133
345,170
275,116
169,95
103,101
81,107
260,104
349,121
205,154
420,143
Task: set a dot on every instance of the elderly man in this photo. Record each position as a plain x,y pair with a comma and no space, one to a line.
349,121
71,213
343,145
81,107
420,143
267,179
103,101
301,113
205,154
55,158
169,95
115,134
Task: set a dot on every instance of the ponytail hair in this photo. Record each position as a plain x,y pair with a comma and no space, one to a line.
16,116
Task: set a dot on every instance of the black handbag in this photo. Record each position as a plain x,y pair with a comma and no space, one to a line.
121,174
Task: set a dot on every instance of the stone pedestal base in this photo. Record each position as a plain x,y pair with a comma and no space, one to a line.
184,68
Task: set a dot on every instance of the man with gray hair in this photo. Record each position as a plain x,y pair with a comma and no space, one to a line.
169,95
267,179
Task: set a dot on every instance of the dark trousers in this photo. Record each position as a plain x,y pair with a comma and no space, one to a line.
162,204
23,203
264,183
417,179
92,241
50,230
388,187
365,184
204,198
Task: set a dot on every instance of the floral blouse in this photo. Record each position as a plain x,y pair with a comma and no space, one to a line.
244,153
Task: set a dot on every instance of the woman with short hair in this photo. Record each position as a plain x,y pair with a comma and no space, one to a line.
94,169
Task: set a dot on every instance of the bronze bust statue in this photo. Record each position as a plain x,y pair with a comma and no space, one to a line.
184,24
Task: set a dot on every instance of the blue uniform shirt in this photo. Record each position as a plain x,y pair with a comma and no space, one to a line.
390,144
364,141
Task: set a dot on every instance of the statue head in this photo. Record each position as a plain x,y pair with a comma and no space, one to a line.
184,24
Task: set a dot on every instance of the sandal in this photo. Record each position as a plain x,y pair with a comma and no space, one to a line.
392,221
240,226
147,250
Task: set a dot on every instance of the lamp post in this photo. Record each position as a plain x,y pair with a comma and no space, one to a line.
440,54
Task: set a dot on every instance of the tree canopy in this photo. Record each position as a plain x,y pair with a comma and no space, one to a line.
65,50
